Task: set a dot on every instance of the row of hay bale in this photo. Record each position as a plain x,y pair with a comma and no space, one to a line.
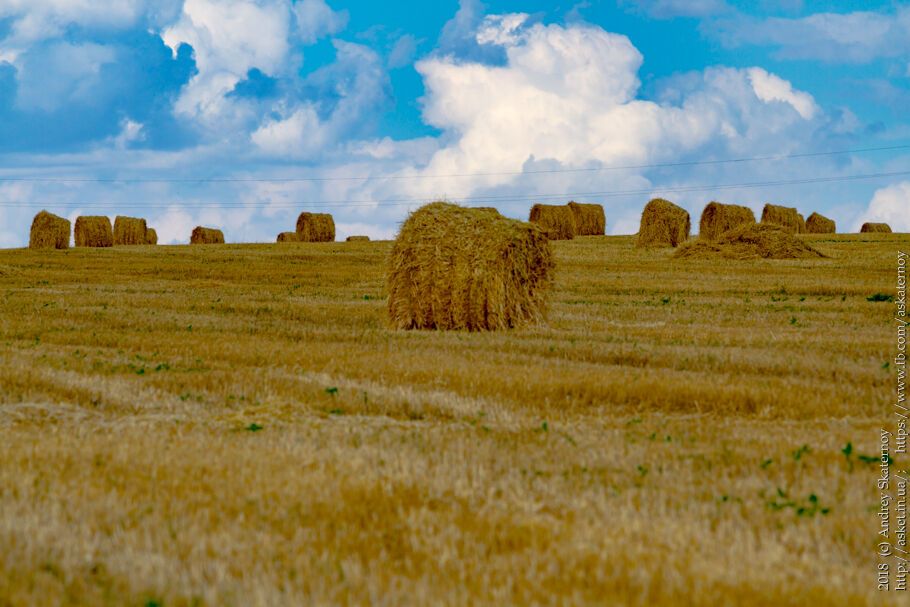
49,231
565,222
311,227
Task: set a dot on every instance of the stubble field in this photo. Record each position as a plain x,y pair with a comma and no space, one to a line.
236,425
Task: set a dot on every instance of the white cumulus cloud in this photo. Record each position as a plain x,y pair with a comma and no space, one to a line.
889,205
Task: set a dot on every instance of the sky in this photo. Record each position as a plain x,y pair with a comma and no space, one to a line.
240,114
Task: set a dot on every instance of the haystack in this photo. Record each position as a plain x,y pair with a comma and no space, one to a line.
49,232
590,219
488,209
819,224
93,231
129,231
718,218
288,237
663,224
151,236
751,241
557,222
458,268
358,239
206,236
315,227
875,227
786,217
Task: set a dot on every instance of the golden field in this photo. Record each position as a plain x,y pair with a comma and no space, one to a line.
237,425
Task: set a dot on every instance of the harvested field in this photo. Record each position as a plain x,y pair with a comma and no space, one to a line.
238,425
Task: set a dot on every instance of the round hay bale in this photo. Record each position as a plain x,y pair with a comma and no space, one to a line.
751,241
718,218
49,232
786,217
590,219
458,268
358,239
557,222
663,224
882,228
129,231
288,237
151,236
93,231
819,224
315,227
203,235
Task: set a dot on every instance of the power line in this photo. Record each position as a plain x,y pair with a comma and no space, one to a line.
472,199
203,180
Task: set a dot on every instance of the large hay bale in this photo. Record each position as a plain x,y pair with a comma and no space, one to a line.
151,236
819,224
458,268
358,239
883,228
315,227
718,218
288,237
93,231
786,217
49,232
590,219
129,231
557,222
751,241
663,224
203,235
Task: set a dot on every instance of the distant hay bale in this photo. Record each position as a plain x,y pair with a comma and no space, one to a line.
557,222
590,219
718,218
786,217
288,237
129,231
93,231
206,236
358,239
663,224
882,228
819,224
315,227
751,241
462,269
151,236
49,232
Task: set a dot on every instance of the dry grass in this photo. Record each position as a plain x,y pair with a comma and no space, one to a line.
237,425
786,217
203,235
590,219
454,267
93,231
315,227
49,232
873,228
557,221
819,224
663,224
130,231
718,218
751,241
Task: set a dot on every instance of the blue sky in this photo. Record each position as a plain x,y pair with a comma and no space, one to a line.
241,113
